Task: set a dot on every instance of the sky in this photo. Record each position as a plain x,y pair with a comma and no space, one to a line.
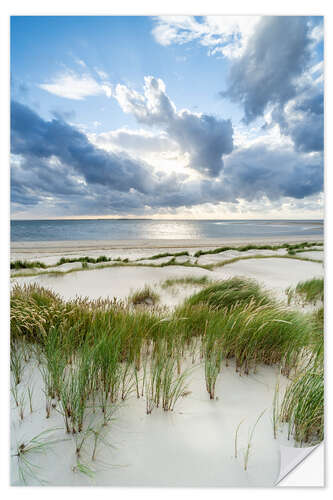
167,117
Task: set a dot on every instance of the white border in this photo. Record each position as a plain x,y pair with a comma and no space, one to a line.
143,7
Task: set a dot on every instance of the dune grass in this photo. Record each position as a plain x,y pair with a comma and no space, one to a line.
25,451
245,248
249,325
25,264
113,263
166,384
96,354
301,250
250,440
186,280
16,361
310,291
145,296
172,262
229,292
165,254
292,250
303,407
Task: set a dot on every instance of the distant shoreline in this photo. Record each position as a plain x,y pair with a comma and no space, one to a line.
318,221
93,245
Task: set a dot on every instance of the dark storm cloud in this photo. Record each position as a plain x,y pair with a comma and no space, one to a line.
34,138
55,163
276,55
22,195
204,137
260,171
304,121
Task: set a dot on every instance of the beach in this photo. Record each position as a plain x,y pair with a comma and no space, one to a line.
276,274
199,442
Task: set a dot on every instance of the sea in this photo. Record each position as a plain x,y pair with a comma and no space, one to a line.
151,229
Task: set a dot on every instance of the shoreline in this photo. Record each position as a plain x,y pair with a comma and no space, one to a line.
67,246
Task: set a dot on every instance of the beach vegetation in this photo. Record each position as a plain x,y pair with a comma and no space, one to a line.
307,292
94,355
245,248
146,296
14,393
236,437
25,264
165,254
228,292
303,407
250,441
186,280
30,391
118,262
25,452
16,361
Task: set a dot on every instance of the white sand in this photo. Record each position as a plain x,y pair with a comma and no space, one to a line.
317,255
273,273
191,446
116,282
51,251
231,254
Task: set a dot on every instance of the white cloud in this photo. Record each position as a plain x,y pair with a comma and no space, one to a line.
317,33
205,138
226,35
139,141
71,85
80,62
102,74
155,148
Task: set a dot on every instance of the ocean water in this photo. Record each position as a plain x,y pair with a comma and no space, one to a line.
146,229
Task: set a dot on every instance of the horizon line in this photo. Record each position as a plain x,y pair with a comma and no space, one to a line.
159,219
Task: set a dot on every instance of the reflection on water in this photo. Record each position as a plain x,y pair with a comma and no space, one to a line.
125,229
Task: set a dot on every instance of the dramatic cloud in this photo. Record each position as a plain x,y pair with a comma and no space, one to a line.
273,67
55,166
34,138
303,120
275,57
205,138
225,35
74,86
136,141
258,171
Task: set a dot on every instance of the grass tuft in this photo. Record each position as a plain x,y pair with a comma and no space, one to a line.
187,280
310,291
229,292
25,264
146,296
303,407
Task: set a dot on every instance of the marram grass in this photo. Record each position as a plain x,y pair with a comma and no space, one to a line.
245,248
187,280
145,296
307,292
228,292
96,354
303,407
